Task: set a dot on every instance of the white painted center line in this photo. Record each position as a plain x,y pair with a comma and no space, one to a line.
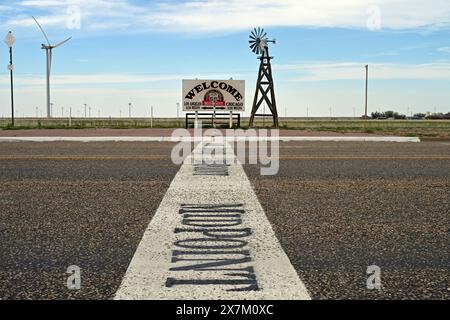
210,239
177,139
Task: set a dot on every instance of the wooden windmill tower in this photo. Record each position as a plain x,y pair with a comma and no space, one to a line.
265,91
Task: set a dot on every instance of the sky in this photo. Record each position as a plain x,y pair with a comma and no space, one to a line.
139,51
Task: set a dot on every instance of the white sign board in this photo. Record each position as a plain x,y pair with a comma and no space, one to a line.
9,40
207,94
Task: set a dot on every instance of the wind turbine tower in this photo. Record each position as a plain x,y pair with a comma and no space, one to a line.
48,52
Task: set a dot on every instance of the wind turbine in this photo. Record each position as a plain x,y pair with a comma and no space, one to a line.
48,51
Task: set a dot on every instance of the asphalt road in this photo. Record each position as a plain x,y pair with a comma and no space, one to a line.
336,208
84,204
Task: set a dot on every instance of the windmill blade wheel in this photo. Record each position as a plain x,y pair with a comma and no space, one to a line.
258,41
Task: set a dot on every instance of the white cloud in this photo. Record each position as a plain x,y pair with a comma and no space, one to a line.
444,49
54,13
312,71
101,79
111,92
231,15
4,8
236,14
326,71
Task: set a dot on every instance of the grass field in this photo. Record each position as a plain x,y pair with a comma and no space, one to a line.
421,128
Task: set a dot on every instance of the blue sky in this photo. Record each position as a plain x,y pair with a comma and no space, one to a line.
138,51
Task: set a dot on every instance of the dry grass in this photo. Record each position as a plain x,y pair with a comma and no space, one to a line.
420,128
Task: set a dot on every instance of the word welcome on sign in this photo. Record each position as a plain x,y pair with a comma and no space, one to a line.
207,94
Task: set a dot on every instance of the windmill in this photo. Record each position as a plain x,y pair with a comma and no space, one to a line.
48,51
259,44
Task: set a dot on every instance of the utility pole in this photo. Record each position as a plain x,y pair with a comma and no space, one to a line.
129,110
151,117
9,40
367,88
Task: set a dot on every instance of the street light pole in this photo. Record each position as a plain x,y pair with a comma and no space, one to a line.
9,40
12,85
129,110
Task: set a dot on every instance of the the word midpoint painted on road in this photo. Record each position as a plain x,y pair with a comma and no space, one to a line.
213,244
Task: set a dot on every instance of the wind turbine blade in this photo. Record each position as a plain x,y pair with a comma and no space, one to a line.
42,30
62,42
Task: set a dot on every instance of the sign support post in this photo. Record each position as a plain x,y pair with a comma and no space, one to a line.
214,115
196,120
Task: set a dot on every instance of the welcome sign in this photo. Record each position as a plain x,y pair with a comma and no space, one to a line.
207,94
